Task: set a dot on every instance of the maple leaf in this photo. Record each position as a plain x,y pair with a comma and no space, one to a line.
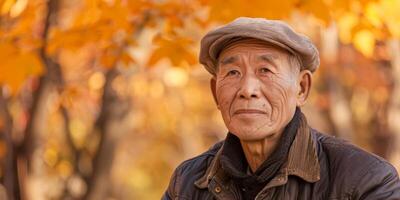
176,50
17,66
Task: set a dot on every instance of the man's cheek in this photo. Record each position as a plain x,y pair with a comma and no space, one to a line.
226,94
278,92
224,106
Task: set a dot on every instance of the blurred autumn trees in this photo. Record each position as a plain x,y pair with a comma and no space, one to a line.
103,98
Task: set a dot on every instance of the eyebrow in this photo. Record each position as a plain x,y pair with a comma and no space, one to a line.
229,60
268,58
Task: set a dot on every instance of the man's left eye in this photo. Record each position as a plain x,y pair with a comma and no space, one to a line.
264,70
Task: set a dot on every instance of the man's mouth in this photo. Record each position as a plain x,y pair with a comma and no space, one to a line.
249,111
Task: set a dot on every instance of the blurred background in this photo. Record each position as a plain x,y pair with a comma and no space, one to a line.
102,99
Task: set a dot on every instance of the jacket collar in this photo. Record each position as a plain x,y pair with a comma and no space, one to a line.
302,161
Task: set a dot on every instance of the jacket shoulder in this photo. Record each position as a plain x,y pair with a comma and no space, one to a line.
341,163
355,170
182,181
199,164
341,151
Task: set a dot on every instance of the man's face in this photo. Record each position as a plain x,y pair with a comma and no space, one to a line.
256,89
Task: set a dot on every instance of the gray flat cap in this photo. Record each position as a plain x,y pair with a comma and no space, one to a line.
272,31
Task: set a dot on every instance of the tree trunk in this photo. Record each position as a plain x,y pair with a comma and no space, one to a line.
50,80
113,109
10,177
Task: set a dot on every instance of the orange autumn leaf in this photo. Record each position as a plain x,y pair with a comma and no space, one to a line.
108,60
318,8
176,50
17,66
126,59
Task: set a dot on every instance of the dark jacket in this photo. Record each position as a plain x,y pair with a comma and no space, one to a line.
318,167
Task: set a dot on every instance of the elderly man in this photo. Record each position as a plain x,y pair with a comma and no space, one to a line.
261,76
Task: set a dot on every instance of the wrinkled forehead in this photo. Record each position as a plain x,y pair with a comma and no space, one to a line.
251,43
273,54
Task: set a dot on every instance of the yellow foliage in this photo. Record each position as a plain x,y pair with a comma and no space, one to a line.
110,25
90,16
346,23
340,6
389,12
18,8
372,14
70,39
227,10
91,34
364,41
6,6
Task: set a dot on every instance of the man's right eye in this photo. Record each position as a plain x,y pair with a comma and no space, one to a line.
233,73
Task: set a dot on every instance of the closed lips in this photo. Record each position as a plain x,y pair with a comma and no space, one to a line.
249,111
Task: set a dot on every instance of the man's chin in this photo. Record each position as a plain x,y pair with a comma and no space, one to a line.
253,134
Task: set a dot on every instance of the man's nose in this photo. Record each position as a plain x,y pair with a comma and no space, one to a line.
250,87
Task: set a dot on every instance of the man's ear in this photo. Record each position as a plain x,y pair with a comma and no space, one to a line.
213,86
304,84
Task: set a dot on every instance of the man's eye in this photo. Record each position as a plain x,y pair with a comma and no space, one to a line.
264,70
233,73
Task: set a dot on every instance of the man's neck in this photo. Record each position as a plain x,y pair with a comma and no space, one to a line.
257,151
